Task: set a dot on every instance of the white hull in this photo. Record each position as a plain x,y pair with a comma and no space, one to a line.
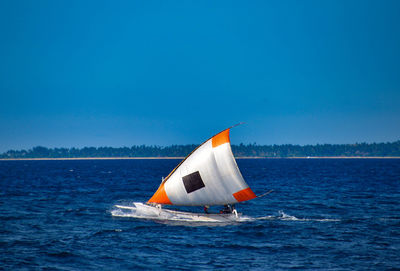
144,211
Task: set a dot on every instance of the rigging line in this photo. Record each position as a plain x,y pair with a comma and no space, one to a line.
270,191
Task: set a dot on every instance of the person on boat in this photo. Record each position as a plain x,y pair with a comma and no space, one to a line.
206,209
226,210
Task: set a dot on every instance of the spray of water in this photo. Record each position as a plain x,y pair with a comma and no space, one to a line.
141,211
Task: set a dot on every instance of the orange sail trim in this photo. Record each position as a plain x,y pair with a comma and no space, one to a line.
245,194
160,196
220,138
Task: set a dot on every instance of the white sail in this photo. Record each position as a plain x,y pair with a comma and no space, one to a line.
207,176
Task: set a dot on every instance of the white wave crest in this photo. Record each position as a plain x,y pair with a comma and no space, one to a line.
284,216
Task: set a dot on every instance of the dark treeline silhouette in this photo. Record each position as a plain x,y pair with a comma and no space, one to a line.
249,150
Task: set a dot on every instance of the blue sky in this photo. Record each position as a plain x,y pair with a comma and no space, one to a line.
120,73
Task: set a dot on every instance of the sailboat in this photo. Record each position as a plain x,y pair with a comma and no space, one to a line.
208,176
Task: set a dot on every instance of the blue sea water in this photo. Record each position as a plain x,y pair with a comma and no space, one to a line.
324,214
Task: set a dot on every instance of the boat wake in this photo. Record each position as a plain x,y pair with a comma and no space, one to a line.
283,216
148,212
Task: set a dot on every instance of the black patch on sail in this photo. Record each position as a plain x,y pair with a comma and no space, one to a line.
193,182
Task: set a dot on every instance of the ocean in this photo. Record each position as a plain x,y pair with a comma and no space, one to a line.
324,214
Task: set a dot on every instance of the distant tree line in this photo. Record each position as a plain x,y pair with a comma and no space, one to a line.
242,150
324,150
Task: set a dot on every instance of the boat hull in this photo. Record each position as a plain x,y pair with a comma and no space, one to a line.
145,211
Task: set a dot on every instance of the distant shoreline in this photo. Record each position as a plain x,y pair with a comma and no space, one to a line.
180,158
249,151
